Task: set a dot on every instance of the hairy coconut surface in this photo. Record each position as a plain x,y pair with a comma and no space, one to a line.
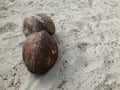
36,23
40,52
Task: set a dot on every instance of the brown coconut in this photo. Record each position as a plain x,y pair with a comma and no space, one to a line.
37,22
40,52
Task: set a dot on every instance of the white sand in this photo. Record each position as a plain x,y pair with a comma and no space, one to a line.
88,36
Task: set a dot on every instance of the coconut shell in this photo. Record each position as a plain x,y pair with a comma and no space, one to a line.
40,52
37,22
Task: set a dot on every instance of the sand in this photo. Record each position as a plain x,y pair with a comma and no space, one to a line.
88,37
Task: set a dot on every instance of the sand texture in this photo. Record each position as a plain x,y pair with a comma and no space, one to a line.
88,37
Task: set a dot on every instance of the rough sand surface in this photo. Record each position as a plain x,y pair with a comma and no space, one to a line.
88,36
